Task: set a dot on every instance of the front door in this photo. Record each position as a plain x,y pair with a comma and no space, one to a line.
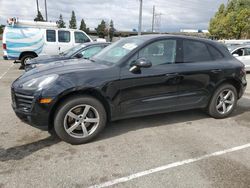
154,89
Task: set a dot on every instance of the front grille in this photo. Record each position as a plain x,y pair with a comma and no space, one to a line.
23,102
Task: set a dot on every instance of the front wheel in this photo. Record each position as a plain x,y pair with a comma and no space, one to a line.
79,119
223,101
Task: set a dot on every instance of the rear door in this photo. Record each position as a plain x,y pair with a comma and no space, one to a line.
51,42
201,67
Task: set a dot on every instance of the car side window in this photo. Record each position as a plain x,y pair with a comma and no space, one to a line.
88,53
247,51
160,52
63,36
80,37
51,35
239,52
194,51
214,52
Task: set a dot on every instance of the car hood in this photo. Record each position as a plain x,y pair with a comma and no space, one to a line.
43,59
63,67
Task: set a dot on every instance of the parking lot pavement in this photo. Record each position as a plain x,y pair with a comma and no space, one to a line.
185,142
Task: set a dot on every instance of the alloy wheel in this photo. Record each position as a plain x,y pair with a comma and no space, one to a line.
225,101
81,121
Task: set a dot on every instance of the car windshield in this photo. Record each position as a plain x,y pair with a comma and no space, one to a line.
116,51
73,50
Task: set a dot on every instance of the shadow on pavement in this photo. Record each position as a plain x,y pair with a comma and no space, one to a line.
123,126
20,152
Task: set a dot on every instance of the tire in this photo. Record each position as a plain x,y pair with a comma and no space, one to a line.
219,102
25,58
80,128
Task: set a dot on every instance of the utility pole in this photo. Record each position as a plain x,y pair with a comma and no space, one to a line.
153,19
46,14
140,18
37,6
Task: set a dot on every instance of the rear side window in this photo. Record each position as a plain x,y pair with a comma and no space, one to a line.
63,36
51,35
214,52
194,51
81,37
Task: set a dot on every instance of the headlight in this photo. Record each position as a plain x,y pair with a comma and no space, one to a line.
39,83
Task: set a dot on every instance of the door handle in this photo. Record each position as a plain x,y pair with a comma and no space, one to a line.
216,71
172,74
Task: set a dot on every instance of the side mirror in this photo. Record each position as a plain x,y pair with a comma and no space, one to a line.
140,63
79,55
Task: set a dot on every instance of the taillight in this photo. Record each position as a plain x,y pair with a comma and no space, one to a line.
4,46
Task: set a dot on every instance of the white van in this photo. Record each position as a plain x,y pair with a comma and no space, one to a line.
23,40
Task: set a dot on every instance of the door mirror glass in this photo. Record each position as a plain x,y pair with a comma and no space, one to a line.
140,63
79,55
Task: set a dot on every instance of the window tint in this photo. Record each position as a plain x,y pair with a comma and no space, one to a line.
194,51
81,37
160,52
239,52
63,36
91,51
214,52
247,51
51,35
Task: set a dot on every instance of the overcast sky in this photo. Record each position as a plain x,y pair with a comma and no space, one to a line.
176,14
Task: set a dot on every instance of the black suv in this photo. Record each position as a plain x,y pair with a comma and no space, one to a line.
135,76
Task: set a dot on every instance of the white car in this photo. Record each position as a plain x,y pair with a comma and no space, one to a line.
242,53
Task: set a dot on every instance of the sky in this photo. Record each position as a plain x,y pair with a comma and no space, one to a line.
173,15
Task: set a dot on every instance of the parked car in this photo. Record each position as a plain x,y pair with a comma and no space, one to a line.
135,76
86,50
24,40
242,53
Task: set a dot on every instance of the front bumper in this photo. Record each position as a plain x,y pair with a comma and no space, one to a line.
30,111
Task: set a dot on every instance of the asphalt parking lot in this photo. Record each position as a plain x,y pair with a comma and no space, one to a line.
190,148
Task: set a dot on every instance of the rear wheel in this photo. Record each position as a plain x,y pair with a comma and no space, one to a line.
79,119
223,101
25,58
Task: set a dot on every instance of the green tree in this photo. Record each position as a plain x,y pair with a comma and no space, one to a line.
231,21
1,29
101,29
39,17
111,30
60,22
83,26
72,22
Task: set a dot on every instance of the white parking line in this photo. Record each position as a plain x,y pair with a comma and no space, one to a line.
6,72
168,166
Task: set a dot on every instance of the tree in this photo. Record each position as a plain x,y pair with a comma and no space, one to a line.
101,29
39,17
83,26
72,22
231,21
60,22
1,29
111,30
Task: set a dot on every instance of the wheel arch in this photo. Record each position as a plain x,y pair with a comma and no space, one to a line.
89,92
234,82
27,53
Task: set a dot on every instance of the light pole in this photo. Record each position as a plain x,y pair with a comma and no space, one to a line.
140,18
37,6
46,14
